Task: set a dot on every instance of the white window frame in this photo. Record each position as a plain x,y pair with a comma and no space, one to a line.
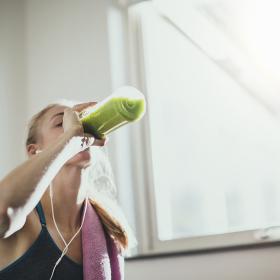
143,188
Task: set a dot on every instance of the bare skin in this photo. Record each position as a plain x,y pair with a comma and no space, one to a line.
59,125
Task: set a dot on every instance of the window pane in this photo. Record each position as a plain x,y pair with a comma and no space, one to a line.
215,146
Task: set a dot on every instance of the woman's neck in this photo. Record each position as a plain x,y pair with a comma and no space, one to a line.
65,188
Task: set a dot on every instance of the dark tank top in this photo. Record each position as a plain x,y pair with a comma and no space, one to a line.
38,261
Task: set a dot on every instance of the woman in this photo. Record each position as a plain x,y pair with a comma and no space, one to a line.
58,152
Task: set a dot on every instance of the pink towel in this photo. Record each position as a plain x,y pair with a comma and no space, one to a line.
101,257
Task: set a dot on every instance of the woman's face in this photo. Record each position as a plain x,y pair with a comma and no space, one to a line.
51,128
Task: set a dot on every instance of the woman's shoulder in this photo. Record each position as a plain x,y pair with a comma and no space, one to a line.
16,244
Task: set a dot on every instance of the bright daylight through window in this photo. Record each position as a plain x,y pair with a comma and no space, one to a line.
215,113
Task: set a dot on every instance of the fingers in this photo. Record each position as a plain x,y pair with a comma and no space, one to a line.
70,111
100,142
81,106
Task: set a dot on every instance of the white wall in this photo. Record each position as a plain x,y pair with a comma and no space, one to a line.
67,51
12,84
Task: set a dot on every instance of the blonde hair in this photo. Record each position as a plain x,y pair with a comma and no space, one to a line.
97,181
33,126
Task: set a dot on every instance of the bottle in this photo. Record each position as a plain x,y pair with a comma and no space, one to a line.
125,105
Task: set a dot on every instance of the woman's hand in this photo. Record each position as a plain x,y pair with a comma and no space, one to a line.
71,121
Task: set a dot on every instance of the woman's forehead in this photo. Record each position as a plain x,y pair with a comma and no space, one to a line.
54,111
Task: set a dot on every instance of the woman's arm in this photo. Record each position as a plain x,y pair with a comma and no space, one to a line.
24,186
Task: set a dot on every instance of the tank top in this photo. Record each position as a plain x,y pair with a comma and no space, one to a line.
38,261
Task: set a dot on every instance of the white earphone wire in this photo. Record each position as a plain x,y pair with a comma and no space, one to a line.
66,245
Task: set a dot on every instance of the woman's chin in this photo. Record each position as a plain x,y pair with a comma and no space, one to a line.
81,159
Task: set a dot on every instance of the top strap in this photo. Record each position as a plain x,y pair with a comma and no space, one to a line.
40,211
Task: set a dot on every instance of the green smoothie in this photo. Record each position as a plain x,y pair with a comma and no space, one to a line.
111,114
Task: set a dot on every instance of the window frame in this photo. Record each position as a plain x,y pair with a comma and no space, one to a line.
143,188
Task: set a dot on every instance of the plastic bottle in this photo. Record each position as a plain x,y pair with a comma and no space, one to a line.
125,105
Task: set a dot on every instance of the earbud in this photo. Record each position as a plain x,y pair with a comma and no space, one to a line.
38,151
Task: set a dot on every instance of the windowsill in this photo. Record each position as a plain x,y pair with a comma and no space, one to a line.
204,251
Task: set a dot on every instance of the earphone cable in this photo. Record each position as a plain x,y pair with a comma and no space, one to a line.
67,245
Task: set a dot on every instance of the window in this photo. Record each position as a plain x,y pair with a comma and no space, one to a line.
211,153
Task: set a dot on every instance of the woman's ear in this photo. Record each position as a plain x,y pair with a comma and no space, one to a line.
31,149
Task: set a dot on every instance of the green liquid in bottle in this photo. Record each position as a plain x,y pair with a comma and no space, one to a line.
111,114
